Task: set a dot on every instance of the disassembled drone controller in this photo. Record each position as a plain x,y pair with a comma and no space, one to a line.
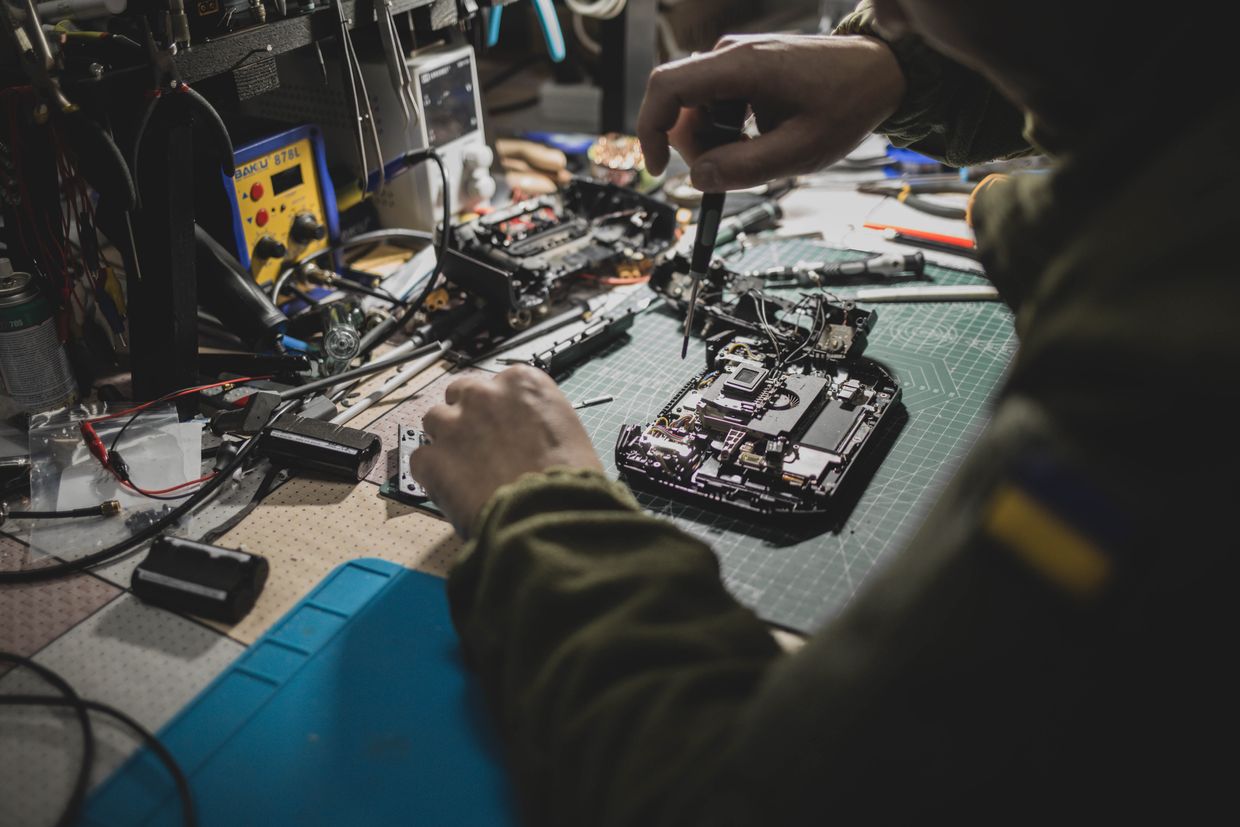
515,257
778,419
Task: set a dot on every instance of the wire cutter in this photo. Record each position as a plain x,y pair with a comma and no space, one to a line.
552,33
912,194
99,159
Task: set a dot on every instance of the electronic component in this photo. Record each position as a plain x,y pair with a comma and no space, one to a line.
282,200
410,440
836,329
207,581
515,256
597,334
320,446
443,81
764,431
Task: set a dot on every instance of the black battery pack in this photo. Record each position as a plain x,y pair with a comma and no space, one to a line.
207,581
312,445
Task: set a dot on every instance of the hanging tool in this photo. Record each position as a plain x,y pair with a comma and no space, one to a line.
553,35
727,122
169,89
359,101
36,55
101,162
96,154
398,67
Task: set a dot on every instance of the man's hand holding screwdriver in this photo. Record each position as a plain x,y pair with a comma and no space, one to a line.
813,100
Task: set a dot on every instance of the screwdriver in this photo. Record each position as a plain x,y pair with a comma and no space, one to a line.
727,121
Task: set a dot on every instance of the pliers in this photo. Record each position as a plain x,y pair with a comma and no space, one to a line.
911,194
100,160
552,33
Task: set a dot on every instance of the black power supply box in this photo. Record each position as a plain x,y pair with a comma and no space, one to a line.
207,581
313,445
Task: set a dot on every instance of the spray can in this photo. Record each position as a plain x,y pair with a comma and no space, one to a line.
33,364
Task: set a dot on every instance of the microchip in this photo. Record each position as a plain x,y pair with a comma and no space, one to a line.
747,379
832,427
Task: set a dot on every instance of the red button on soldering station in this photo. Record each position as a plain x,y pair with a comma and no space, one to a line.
261,218
256,192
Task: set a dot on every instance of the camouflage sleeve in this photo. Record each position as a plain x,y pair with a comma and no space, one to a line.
609,651
949,112
630,688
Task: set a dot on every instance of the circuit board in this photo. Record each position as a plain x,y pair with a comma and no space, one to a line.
514,257
760,435
948,360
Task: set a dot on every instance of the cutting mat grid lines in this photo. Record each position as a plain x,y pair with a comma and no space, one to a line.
950,360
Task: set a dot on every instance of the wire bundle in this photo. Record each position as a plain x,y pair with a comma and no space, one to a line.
69,697
598,9
111,459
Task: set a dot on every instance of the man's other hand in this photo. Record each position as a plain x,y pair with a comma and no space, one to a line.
491,431
814,98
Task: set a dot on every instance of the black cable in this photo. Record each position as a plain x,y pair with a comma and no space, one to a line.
377,334
509,72
178,776
78,796
102,510
114,455
382,363
208,488
311,301
381,331
374,292
515,106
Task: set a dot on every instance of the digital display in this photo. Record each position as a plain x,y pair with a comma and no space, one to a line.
286,180
448,102
745,376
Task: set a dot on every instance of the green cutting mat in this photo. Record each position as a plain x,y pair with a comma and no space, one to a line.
949,359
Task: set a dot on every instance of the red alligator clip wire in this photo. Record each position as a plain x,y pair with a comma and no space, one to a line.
94,443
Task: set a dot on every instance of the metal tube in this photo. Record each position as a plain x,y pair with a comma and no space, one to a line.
395,381
365,370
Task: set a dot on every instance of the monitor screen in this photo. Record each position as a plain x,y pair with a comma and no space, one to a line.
448,101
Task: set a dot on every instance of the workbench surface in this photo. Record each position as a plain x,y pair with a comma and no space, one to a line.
949,358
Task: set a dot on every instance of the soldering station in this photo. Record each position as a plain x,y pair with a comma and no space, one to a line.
246,241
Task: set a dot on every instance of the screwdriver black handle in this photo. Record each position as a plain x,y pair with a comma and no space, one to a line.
726,120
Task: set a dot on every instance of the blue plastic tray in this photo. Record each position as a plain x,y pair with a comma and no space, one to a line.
354,709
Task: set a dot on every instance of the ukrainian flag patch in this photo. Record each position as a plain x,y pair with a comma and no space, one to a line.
1057,525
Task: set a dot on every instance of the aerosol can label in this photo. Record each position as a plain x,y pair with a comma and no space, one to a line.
32,361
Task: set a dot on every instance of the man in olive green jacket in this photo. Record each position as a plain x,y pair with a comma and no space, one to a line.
1051,645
